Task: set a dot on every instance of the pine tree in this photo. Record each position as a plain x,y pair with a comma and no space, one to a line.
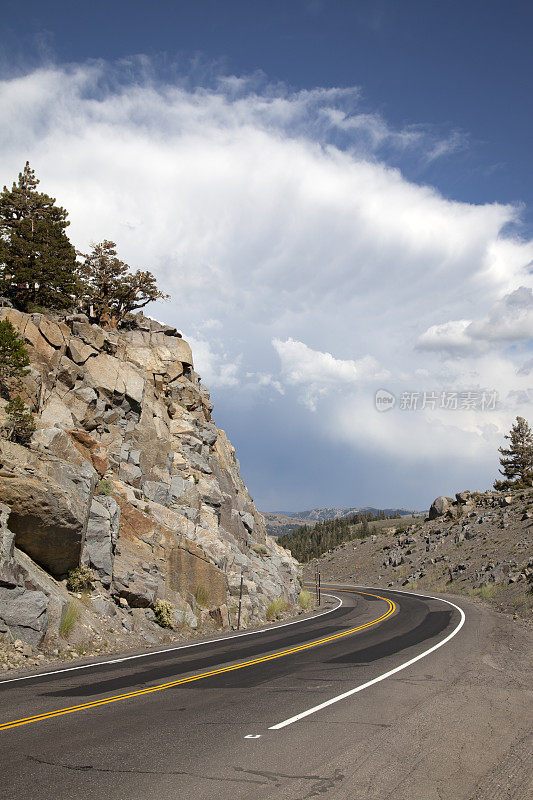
13,358
37,260
110,290
517,459
21,424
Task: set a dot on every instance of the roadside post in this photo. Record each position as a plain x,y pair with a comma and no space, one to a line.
240,603
319,588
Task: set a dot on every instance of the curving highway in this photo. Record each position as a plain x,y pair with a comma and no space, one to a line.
262,714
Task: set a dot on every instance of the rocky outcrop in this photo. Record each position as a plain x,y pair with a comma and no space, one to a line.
50,499
23,606
101,537
439,507
481,544
128,474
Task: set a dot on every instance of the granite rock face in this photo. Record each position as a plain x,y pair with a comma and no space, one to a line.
23,604
128,474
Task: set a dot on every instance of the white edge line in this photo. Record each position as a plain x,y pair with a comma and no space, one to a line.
339,697
173,649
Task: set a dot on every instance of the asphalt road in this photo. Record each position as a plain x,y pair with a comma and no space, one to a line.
213,736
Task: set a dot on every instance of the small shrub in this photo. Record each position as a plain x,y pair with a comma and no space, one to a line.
20,425
69,619
80,579
201,596
260,549
163,613
486,590
276,608
304,599
104,486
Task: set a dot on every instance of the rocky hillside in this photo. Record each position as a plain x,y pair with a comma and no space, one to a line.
128,475
480,544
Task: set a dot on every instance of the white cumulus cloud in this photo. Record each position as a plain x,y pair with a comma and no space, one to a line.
273,214
318,373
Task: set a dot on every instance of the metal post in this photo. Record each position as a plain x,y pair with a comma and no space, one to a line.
319,588
240,603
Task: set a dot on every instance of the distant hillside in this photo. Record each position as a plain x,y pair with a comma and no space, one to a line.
311,541
480,544
280,523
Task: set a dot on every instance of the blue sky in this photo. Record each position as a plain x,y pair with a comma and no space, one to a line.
337,194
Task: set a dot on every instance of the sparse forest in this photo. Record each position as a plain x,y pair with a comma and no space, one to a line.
311,541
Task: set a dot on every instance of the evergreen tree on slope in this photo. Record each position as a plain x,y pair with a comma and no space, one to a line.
37,260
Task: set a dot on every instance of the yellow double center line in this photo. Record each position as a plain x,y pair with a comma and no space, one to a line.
202,675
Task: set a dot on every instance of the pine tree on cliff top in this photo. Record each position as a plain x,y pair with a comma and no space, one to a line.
517,459
110,290
37,260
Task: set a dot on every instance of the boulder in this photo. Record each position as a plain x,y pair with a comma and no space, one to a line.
54,334
92,335
463,497
395,558
178,489
131,474
139,589
7,542
48,513
55,412
24,613
10,574
67,372
248,521
101,537
156,491
79,352
112,376
439,507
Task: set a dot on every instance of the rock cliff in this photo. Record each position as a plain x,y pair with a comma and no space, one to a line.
127,474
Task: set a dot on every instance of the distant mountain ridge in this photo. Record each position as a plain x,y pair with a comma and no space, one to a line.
280,522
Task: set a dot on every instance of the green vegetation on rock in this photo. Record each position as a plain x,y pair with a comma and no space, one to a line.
276,608
69,619
14,357
163,613
20,423
80,579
